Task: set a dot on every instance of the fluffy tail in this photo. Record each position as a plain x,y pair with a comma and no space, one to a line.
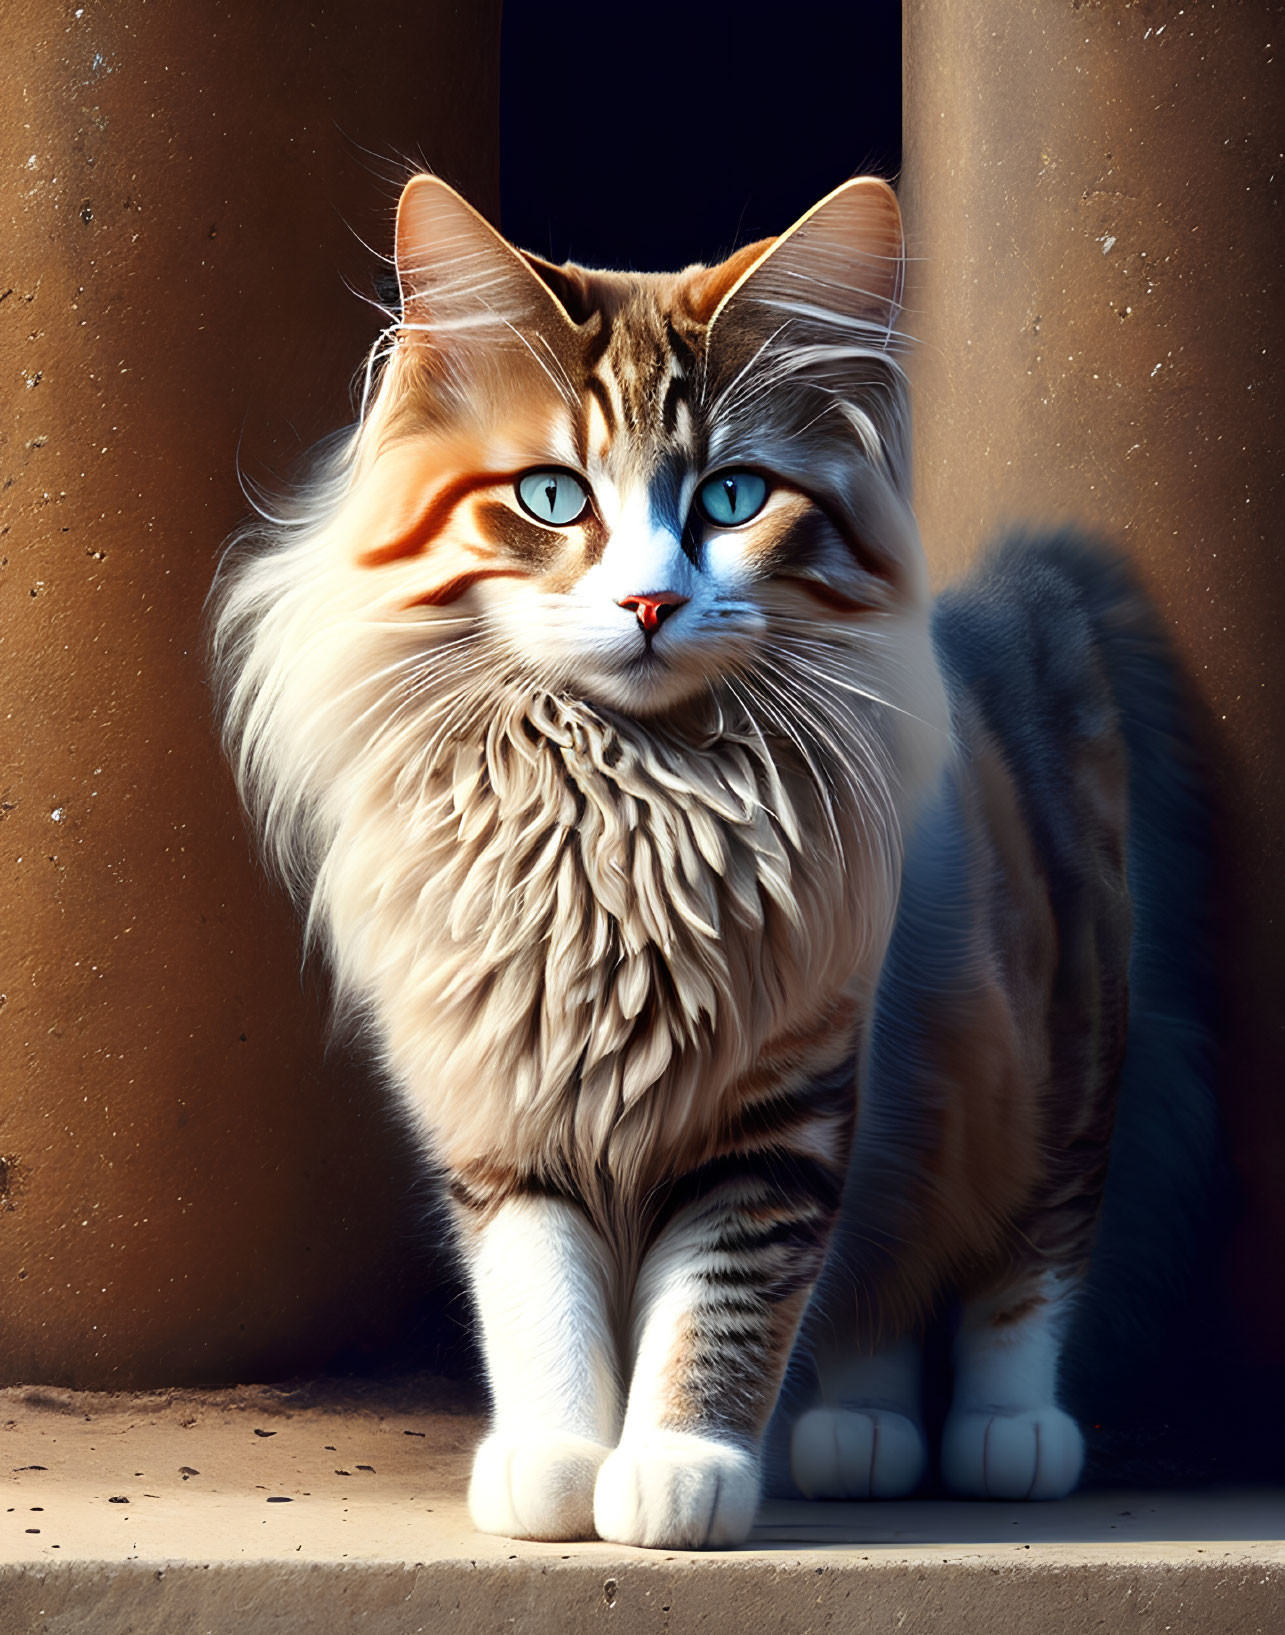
1139,1346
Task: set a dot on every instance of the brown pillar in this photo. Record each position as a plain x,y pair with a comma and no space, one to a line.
1093,193
188,1190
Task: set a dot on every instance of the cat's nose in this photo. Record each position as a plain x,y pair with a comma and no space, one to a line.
653,610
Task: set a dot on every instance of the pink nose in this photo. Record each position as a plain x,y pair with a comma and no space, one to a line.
652,611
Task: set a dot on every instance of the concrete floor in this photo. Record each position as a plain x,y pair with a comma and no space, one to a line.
284,1510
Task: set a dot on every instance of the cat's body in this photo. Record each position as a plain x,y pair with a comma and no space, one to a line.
644,835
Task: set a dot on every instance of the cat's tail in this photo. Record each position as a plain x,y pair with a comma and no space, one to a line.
1168,1197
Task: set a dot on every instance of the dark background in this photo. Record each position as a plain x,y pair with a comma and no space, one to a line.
651,136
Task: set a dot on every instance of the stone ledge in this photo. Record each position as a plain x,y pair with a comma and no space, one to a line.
323,1508
752,1596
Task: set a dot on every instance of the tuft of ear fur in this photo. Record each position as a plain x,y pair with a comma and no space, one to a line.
570,286
707,287
457,274
842,261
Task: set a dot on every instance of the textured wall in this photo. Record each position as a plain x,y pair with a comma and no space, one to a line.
187,1190
1093,189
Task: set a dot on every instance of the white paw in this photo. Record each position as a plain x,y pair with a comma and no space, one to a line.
1026,1453
857,1453
535,1487
674,1491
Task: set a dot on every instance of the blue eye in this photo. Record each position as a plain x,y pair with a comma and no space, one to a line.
731,497
552,496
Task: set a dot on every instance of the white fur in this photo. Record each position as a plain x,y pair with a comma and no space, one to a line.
573,933
1032,1453
540,1281
857,1453
865,1441
535,1486
675,1491
1006,1437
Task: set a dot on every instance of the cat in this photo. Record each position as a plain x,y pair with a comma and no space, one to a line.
746,934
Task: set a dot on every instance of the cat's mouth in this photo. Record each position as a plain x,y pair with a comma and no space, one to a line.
659,672
647,683
652,655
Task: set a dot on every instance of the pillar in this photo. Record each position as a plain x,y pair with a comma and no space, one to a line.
1092,196
191,1188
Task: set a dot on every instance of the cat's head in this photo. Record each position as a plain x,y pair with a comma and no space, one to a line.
641,487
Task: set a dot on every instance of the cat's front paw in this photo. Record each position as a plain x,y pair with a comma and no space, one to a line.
537,1487
1029,1453
674,1491
857,1453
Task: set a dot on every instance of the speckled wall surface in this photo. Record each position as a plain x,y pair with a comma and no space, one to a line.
1093,190
187,1190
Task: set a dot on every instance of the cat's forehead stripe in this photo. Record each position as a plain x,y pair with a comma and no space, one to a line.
676,391
598,390
598,424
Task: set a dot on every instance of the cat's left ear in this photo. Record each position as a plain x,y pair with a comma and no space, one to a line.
842,262
458,276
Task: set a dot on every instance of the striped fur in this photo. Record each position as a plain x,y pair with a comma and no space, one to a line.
620,904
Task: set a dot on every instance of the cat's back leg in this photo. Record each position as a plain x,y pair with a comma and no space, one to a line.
865,1438
1006,1437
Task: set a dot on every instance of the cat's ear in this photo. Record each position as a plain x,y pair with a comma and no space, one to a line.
842,262
458,276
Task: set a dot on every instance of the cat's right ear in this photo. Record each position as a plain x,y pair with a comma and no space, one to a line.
842,263
459,278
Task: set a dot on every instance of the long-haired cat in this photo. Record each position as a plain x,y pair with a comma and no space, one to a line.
724,913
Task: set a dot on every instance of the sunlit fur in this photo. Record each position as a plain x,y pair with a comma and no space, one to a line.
637,918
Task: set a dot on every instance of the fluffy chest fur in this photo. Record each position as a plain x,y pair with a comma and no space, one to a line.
577,937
